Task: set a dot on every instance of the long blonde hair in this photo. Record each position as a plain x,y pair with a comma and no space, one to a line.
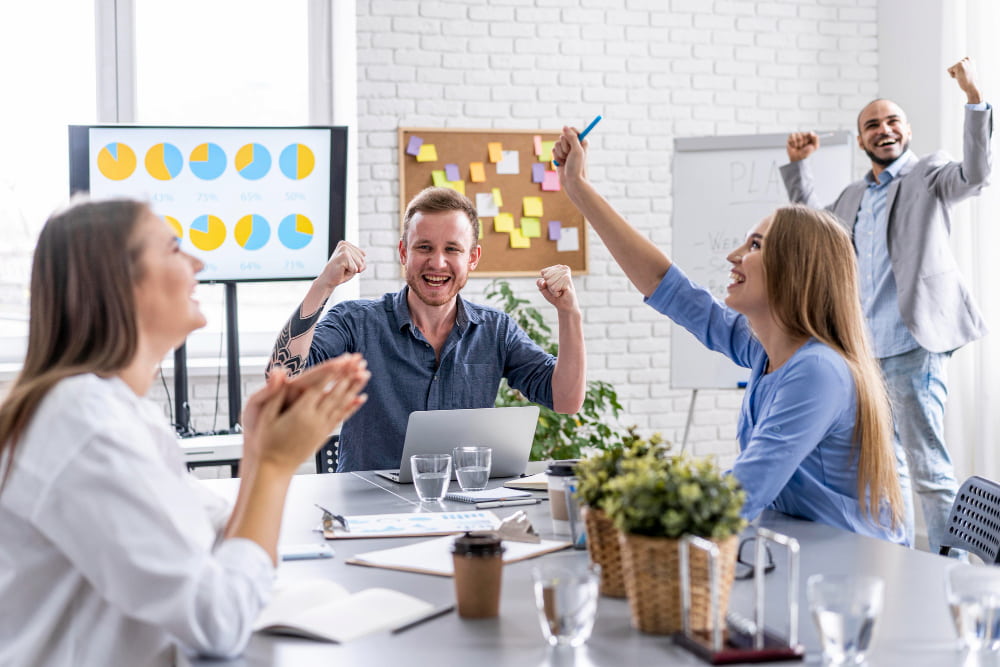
812,286
82,312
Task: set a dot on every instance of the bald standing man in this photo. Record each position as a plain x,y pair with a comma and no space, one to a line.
915,300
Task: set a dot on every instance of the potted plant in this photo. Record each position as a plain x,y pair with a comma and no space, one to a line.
593,474
653,501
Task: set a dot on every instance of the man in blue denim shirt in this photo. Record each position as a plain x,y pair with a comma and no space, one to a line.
915,300
426,347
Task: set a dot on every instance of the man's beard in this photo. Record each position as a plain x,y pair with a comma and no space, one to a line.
885,162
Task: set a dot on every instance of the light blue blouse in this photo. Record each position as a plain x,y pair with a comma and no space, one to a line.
796,425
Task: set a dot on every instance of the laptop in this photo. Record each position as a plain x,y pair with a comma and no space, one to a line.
509,431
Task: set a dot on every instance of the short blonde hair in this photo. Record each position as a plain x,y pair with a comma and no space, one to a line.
437,200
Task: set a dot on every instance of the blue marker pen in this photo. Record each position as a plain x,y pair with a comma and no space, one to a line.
586,131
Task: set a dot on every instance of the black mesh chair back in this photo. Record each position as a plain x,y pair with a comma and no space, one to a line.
974,521
326,457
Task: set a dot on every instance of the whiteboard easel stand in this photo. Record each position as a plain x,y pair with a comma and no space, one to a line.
687,426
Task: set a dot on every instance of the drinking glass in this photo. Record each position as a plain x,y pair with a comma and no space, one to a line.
845,608
566,597
974,599
472,467
431,474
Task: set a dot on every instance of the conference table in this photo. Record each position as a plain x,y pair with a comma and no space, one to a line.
915,627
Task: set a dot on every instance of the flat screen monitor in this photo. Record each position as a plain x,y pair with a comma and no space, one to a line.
253,203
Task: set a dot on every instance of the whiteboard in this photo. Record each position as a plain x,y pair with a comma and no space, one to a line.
723,186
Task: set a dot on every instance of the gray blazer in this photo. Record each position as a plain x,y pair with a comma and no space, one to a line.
933,299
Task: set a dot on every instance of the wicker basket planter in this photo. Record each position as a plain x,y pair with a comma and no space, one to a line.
651,569
604,548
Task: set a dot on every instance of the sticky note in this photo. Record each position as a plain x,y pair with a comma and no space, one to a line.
497,197
503,222
452,171
569,240
485,206
551,182
519,240
477,173
555,228
546,153
413,146
510,164
537,172
532,207
531,228
538,144
457,186
439,178
495,149
428,153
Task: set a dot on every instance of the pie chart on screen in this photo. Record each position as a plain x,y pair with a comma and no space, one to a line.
164,161
207,161
253,161
175,225
207,232
296,161
295,231
252,232
116,161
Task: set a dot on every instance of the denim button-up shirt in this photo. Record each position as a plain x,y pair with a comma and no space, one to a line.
484,346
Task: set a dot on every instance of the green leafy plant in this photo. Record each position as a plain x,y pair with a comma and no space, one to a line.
557,436
597,469
674,495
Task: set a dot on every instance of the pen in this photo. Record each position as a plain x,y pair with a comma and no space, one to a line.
431,615
586,131
507,503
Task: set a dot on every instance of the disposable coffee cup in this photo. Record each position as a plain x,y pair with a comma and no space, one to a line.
478,560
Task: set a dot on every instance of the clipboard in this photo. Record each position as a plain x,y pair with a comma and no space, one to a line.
434,556
413,524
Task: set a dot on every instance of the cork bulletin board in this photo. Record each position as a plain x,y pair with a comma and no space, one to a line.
527,222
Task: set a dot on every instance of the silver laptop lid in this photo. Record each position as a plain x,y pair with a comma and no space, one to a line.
509,431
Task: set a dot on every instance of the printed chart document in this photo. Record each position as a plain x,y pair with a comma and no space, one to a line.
322,609
434,556
414,524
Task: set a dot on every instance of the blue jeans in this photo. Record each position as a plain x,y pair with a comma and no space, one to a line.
918,390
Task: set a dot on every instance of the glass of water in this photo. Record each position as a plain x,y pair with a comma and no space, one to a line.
974,599
431,474
845,608
472,467
566,594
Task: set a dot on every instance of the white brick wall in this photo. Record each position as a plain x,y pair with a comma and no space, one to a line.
656,70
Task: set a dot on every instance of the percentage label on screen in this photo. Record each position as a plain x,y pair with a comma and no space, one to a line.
207,196
295,196
162,196
294,265
250,266
250,196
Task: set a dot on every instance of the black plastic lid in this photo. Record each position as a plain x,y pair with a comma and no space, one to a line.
478,544
562,468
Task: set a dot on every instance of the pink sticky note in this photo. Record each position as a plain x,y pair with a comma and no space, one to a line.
551,181
537,172
452,171
413,147
538,144
555,230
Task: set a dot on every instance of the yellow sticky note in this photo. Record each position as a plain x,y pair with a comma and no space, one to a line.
439,178
533,207
457,186
504,222
480,230
519,240
497,198
531,227
546,154
477,174
428,153
496,151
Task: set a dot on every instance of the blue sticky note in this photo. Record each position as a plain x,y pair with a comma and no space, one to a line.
413,147
555,230
452,171
537,172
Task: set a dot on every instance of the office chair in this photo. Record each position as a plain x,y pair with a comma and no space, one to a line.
974,520
326,457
